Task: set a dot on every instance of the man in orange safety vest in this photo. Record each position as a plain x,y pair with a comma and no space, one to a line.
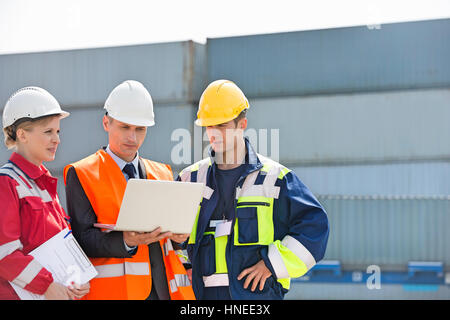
130,265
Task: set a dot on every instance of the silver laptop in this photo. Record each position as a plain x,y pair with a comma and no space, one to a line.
148,204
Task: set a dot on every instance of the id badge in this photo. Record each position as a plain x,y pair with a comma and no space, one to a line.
223,228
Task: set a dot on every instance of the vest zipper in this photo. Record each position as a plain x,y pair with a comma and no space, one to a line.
240,204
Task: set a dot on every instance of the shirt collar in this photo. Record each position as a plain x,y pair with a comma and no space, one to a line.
121,163
30,169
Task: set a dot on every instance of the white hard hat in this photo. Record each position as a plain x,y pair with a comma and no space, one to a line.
30,102
131,103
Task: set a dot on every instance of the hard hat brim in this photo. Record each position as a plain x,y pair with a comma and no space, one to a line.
134,121
63,114
212,122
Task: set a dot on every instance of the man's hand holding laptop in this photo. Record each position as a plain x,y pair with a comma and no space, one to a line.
133,238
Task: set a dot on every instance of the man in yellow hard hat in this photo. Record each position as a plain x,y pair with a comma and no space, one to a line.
258,225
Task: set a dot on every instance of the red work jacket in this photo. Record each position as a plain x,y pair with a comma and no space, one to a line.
30,214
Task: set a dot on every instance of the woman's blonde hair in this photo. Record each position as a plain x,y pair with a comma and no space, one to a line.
27,125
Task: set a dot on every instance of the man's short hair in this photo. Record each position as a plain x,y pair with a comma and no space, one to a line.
241,115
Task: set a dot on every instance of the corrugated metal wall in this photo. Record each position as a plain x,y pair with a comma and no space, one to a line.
360,127
170,71
387,231
81,80
395,179
397,56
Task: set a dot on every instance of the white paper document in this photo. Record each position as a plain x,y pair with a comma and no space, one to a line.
64,258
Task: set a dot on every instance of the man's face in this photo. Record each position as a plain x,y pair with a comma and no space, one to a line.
223,137
124,139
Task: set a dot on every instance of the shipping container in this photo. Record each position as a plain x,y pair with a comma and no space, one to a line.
406,125
396,179
388,231
397,56
173,72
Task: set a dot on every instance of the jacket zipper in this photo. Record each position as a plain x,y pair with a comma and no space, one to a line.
240,204
229,245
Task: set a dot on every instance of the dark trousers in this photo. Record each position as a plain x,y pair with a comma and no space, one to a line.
160,290
216,293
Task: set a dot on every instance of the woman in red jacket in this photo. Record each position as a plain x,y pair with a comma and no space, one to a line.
29,205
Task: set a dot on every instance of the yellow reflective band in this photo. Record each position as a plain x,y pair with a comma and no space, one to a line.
194,167
182,256
197,165
286,283
299,250
283,172
220,244
294,266
266,167
268,164
193,234
185,175
221,262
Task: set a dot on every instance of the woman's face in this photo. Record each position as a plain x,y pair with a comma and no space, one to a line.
39,142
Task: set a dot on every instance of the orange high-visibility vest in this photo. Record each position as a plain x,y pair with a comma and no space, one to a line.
125,278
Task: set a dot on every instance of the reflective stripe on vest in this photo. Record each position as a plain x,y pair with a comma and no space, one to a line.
121,269
216,280
178,280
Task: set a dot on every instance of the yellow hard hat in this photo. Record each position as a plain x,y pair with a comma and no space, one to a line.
222,101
